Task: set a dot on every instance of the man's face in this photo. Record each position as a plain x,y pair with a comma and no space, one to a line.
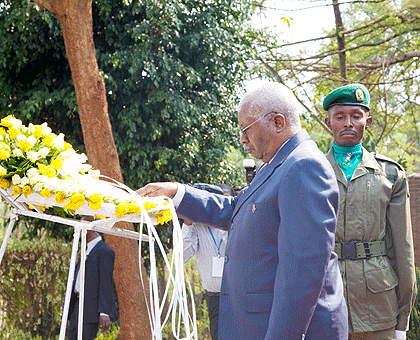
256,139
348,124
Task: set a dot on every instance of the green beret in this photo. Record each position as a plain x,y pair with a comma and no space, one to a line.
352,94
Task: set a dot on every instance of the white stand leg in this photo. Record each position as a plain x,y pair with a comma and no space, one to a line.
76,237
13,219
82,284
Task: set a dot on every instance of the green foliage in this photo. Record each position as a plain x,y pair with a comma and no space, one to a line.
172,70
33,283
414,331
111,334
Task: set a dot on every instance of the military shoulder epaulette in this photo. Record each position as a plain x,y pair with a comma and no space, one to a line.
387,159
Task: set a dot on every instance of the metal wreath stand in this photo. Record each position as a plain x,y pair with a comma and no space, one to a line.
184,325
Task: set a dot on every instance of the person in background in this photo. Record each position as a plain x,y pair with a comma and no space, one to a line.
374,239
281,278
99,305
207,245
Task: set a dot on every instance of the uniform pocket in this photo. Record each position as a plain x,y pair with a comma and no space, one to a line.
381,279
259,302
381,297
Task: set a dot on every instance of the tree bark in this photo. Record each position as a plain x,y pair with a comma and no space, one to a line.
75,17
340,41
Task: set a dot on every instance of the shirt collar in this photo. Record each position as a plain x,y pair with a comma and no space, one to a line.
92,244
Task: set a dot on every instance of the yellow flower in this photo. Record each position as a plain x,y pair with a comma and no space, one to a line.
3,171
13,132
3,132
95,201
47,170
75,201
16,190
59,197
48,139
67,146
27,190
133,208
102,217
24,145
4,151
165,216
121,210
38,131
57,163
149,205
45,193
41,207
4,183
7,121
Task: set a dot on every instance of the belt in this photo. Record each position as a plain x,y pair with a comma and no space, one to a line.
356,250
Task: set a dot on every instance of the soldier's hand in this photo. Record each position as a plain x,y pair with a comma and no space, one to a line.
167,189
105,322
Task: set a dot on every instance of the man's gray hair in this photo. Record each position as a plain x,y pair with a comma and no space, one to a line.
273,97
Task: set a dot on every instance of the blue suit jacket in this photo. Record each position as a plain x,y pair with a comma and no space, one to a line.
99,285
281,278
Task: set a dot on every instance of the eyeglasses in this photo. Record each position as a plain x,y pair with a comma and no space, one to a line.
247,127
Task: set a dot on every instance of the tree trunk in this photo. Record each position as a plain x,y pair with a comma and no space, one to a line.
75,17
340,42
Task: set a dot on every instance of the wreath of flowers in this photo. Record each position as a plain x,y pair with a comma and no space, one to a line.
34,160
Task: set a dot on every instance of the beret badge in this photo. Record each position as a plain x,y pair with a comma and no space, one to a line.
358,93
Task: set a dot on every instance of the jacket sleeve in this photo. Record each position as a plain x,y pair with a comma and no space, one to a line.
106,298
399,223
201,206
190,240
308,203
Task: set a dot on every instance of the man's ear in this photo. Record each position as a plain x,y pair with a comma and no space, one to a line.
279,122
328,122
369,121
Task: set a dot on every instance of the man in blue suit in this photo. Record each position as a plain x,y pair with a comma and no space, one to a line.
281,279
99,307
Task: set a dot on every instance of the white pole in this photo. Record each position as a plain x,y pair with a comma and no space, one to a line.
76,237
13,219
82,284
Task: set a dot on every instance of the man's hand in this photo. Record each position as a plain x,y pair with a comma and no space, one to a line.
105,322
167,189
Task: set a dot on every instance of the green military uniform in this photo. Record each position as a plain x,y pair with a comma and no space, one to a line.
379,276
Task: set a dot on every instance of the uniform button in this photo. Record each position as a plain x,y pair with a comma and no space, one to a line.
226,259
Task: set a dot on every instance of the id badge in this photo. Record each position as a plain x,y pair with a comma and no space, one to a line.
217,268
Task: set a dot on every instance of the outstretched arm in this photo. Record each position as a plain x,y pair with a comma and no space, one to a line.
167,189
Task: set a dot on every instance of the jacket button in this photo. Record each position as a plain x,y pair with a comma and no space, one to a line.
226,259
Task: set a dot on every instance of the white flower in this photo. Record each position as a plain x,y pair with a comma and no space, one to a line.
52,184
32,172
17,152
21,137
32,156
24,181
32,140
58,142
17,123
46,130
31,128
44,152
38,187
16,179
94,173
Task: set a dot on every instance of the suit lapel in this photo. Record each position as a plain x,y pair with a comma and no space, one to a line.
264,174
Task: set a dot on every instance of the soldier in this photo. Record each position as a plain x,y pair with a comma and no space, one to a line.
373,238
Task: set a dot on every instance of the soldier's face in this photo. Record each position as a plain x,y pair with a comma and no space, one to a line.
348,124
